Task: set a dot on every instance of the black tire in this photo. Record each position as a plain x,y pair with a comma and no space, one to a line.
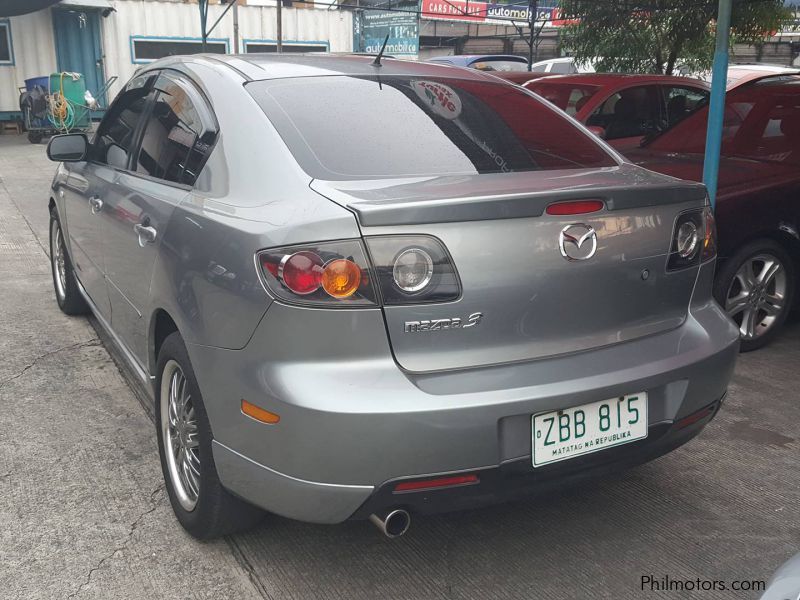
34,137
69,298
216,511
726,276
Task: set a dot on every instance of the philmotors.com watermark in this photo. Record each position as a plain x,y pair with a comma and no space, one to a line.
665,583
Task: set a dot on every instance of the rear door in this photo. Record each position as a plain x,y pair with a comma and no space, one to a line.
172,147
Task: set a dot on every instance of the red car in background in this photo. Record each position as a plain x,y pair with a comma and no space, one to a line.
623,109
758,202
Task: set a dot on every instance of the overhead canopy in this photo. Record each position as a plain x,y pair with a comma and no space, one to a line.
98,4
13,8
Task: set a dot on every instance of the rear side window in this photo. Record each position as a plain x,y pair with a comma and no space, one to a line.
562,68
344,127
776,134
176,141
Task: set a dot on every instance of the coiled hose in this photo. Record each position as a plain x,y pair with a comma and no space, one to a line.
61,112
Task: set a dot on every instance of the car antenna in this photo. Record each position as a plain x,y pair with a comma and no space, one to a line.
377,61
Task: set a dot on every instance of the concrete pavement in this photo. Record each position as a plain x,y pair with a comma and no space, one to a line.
83,513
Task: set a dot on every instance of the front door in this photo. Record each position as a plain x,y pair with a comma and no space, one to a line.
78,46
82,209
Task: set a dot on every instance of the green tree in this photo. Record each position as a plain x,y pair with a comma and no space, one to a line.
656,36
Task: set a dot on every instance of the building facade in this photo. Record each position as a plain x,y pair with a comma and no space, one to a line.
105,38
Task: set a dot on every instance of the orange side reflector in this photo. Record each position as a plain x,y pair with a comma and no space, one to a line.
259,414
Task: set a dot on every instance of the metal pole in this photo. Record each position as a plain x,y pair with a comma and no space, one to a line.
203,16
532,9
236,26
280,27
716,111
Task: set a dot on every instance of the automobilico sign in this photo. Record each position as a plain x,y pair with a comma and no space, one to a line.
469,10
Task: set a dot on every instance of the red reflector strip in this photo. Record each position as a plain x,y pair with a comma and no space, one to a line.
695,417
578,207
440,482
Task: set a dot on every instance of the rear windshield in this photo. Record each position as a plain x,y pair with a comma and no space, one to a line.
499,65
344,127
569,97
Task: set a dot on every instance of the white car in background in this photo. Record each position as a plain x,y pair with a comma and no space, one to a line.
562,66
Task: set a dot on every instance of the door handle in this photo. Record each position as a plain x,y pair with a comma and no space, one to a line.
147,234
95,204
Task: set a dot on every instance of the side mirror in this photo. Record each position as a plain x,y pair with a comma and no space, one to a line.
598,131
71,147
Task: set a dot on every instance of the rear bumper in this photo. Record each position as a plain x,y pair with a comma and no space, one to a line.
352,422
518,479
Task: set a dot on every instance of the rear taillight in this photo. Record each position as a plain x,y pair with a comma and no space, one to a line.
408,269
709,235
332,273
413,269
693,239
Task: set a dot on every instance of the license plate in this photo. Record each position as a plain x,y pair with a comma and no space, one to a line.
565,434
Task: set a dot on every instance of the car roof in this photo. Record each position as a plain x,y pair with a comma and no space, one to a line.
762,68
256,67
607,79
744,74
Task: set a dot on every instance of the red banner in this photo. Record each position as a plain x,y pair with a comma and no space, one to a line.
454,10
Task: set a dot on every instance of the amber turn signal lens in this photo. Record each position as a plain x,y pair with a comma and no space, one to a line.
259,414
341,278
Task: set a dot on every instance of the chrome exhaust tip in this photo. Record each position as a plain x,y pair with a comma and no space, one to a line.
394,524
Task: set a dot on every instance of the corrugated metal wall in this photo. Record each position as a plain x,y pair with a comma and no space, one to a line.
152,18
34,55
34,46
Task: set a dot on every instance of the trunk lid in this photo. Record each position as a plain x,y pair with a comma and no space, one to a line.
534,302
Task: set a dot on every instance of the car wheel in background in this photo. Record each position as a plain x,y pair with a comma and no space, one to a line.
203,507
69,298
756,288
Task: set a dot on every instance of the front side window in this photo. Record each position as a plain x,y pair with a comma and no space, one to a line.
6,50
680,102
115,135
361,127
175,142
633,112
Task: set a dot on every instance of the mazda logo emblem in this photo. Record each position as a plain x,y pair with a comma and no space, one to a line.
577,242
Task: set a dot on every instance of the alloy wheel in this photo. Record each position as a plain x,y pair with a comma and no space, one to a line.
180,435
59,260
757,294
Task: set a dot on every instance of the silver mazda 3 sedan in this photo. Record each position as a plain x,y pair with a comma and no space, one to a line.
363,290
